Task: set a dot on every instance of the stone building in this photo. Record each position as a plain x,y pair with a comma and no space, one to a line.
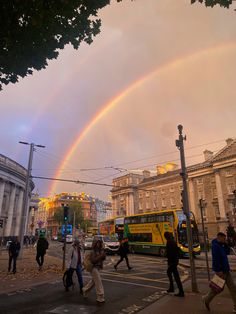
213,180
12,187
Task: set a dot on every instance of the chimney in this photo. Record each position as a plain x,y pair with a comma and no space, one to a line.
229,141
146,174
207,154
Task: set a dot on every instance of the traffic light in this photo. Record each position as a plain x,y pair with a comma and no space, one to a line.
66,213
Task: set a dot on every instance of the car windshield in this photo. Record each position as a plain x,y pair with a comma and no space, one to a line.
110,239
88,239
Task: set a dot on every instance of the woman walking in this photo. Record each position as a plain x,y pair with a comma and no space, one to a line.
95,258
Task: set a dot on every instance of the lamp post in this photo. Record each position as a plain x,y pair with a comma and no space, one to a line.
25,210
202,205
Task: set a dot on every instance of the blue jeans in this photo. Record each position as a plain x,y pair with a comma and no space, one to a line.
79,275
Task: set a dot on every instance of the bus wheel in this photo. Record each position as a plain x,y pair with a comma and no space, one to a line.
162,252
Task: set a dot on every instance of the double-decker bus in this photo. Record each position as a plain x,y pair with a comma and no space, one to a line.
111,226
146,231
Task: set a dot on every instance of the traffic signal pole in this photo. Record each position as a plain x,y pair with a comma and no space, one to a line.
65,215
180,145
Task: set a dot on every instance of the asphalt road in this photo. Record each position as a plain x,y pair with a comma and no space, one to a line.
125,291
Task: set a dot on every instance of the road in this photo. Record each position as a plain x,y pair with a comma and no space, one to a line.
125,291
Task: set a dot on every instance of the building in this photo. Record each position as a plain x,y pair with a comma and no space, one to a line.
213,180
104,210
12,187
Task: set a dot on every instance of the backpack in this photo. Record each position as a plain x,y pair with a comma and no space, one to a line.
88,265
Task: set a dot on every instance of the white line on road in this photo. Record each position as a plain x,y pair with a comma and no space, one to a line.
132,284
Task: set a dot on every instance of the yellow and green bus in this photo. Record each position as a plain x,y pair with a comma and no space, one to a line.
146,232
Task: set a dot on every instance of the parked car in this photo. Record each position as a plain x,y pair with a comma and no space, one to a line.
88,243
111,243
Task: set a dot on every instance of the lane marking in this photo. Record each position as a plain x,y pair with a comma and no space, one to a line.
133,284
133,277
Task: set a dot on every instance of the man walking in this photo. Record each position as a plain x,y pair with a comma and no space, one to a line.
13,251
42,246
220,266
75,257
172,252
123,251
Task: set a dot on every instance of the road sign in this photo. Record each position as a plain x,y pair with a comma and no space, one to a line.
1,223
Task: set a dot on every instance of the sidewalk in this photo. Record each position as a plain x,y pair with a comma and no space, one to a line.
27,274
192,302
200,262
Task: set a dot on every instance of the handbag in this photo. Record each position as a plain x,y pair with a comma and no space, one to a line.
217,284
88,265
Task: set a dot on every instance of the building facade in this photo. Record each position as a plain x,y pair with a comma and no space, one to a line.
213,180
12,187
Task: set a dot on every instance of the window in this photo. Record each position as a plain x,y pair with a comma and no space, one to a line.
147,204
154,204
147,193
140,195
230,188
228,173
172,201
162,191
214,193
163,202
217,210
200,181
140,205
201,194
181,187
154,192
172,189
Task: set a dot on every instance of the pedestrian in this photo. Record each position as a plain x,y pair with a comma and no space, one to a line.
42,246
123,252
13,250
172,252
220,265
75,256
96,257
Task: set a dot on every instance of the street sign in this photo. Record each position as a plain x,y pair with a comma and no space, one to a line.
1,223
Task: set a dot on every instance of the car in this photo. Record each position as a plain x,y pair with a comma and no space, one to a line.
69,238
110,243
55,238
88,243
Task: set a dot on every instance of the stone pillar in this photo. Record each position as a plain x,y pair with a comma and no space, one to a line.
19,212
2,188
220,195
131,204
192,198
7,231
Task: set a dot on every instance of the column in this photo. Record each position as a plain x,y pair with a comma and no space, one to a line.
2,188
192,198
19,212
220,195
7,231
131,203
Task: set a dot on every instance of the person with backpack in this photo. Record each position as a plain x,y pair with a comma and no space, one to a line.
75,260
42,246
123,251
94,263
172,252
13,251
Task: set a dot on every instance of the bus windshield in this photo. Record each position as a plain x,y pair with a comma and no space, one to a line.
182,228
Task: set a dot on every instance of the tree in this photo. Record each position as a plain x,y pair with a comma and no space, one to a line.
32,32
212,3
75,215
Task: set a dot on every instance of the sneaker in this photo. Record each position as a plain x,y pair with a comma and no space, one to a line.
207,306
180,294
101,301
129,268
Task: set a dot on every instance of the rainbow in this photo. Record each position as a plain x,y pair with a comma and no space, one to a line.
171,65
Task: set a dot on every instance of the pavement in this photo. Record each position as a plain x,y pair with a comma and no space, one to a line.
140,291
28,275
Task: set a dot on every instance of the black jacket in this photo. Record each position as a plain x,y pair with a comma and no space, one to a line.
124,249
172,252
14,248
42,246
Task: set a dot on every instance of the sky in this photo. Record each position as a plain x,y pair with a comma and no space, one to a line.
155,64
